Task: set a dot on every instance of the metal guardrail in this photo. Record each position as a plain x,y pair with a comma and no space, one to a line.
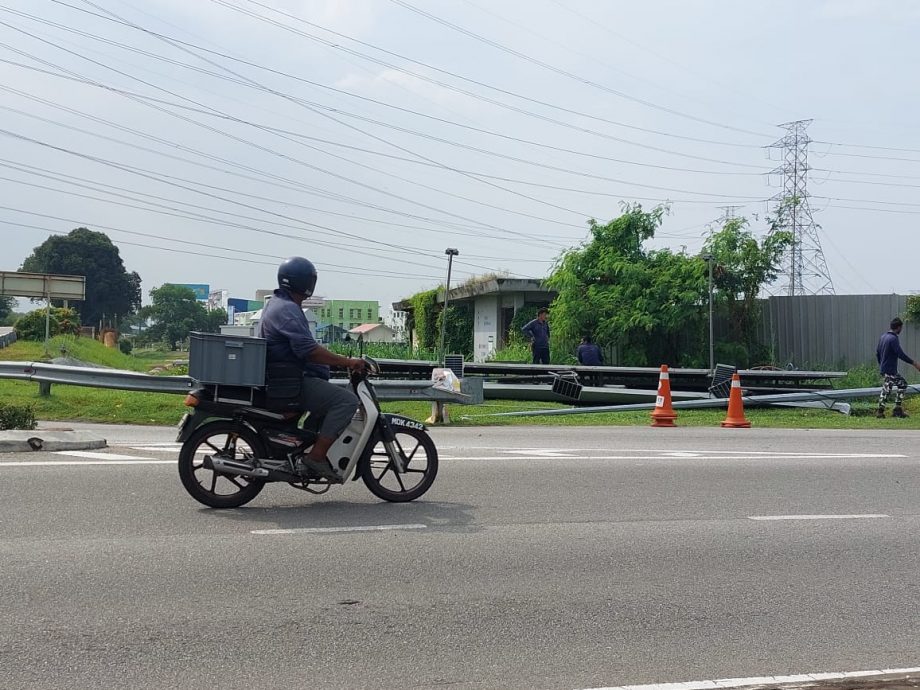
631,377
47,374
40,372
7,337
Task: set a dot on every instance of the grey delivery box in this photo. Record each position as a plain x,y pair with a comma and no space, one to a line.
227,360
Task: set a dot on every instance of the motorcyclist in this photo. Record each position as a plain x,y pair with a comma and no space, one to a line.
289,340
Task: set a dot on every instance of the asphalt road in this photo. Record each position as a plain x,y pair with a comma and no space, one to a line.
541,558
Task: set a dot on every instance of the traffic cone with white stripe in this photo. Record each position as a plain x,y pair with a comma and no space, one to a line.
735,418
663,414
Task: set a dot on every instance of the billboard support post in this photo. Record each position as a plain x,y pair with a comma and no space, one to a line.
47,285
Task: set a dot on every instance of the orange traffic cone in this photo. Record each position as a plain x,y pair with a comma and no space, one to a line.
663,414
735,418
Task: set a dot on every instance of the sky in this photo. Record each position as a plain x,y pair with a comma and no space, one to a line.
209,139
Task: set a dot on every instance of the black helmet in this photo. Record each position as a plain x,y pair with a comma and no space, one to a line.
297,274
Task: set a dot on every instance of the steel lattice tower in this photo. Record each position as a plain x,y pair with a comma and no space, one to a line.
804,263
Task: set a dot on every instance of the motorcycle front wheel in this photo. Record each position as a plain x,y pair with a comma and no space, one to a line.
226,440
381,477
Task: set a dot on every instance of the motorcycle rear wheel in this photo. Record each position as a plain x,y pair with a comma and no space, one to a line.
219,489
380,476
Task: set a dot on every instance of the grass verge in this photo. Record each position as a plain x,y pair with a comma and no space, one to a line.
74,403
86,350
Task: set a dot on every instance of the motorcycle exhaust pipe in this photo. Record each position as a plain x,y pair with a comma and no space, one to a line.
231,467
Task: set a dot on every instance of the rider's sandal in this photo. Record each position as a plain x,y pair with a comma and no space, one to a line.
317,468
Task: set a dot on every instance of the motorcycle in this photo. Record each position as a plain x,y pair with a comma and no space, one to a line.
232,446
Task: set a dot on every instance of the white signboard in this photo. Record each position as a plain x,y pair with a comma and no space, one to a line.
14,284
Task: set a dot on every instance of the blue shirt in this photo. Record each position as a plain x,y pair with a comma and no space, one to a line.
590,355
538,332
889,352
284,326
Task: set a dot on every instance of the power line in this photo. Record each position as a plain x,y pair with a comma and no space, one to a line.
477,174
562,72
867,146
592,58
452,87
355,95
157,178
680,65
146,101
275,179
368,99
235,259
298,102
384,104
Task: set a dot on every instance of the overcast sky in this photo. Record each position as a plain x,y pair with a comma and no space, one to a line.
210,138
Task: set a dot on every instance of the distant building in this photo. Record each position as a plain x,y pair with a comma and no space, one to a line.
495,302
373,333
252,318
218,299
328,333
348,314
315,302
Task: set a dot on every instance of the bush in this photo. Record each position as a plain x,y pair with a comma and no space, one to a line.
125,346
860,376
31,326
16,417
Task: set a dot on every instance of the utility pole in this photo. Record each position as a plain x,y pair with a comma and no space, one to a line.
805,264
451,253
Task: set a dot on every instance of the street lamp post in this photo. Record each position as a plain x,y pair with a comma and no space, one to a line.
451,253
708,258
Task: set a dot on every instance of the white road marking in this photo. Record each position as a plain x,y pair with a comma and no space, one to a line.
702,455
768,453
98,456
85,463
169,449
818,517
321,530
763,680
542,452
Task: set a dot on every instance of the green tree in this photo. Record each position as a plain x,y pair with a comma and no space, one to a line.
648,302
111,292
425,310
913,309
174,313
458,333
7,305
742,266
31,326
213,320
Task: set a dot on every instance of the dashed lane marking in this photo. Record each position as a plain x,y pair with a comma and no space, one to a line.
819,517
771,681
84,463
323,530
98,456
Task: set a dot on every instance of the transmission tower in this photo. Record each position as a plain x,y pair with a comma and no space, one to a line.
728,213
804,263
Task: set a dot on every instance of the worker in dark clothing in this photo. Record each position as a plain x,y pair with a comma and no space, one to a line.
590,355
537,332
289,340
888,353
